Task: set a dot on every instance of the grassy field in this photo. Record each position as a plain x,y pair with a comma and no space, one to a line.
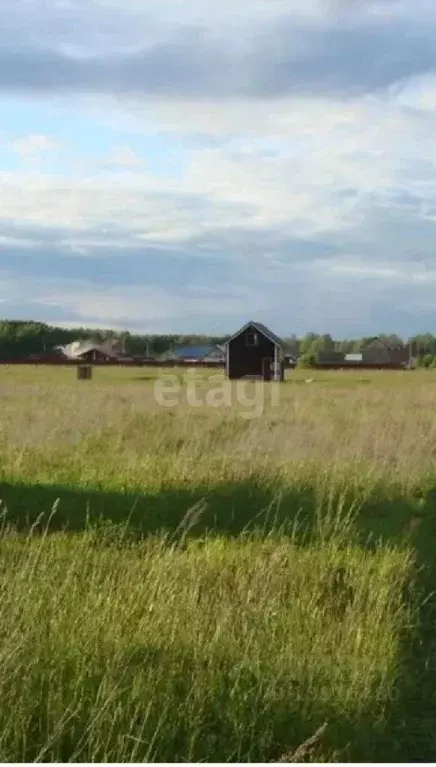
204,583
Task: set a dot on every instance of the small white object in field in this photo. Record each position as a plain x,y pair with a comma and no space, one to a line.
308,380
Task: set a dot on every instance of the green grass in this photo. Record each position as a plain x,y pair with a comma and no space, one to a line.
150,652
187,583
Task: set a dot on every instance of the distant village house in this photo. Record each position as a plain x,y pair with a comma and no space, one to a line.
93,351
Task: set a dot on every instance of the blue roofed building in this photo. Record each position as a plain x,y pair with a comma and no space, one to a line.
200,354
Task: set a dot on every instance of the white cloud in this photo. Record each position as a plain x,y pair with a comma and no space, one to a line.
140,304
117,306
124,157
418,93
29,147
317,195
408,274
314,169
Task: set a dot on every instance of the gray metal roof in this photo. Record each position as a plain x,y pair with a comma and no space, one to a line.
263,330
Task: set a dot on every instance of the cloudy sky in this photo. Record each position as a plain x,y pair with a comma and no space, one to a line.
186,166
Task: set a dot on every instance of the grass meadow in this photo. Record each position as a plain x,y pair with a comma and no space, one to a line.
189,583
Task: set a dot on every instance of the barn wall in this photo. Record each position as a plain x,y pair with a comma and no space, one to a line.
247,360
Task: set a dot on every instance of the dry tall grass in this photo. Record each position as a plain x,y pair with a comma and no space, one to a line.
364,435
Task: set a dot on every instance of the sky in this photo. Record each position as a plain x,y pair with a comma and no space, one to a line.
181,167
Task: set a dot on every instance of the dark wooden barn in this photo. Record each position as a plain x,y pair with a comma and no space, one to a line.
255,352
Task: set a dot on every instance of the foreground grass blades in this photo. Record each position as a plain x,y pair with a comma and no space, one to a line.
219,649
185,584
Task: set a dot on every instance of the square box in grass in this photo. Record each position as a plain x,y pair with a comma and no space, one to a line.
84,373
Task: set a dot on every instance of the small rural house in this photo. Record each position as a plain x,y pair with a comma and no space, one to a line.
376,352
206,354
91,351
290,360
255,352
379,351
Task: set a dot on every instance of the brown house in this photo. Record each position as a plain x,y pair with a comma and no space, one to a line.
255,352
89,351
95,355
377,351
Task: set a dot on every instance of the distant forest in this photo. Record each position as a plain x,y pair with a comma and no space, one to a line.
21,338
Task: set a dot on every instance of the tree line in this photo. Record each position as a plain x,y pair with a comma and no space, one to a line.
20,338
421,347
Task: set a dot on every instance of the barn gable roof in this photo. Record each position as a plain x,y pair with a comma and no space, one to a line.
263,330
